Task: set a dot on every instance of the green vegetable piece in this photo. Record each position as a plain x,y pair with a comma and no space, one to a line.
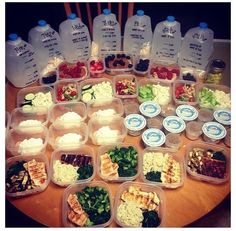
154,176
29,97
85,172
150,219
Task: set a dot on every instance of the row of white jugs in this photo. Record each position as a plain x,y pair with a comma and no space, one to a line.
23,61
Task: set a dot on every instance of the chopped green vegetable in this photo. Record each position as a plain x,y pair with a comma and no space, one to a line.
150,219
207,98
29,97
145,92
154,176
85,172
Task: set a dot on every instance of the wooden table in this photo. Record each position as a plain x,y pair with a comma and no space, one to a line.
183,205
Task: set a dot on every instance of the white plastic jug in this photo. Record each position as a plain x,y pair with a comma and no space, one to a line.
75,39
166,41
197,47
46,42
21,67
106,32
138,30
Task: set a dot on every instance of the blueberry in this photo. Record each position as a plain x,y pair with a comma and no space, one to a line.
122,63
130,66
123,55
119,56
127,57
112,57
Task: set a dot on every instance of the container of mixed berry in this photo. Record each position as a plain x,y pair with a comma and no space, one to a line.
96,67
141,66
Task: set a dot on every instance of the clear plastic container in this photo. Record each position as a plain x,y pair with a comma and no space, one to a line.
189,74
97,107
223,117
207,146
130,78
173,124
7,121
48,79
58,91
78,187
193,130
168,110
111,123
140,61
57,131
103,149
83,150
18,115
159,99
227,139
155,122
191,100
15,136
131,108
73,71
205,115
135,124
96,67
150,109
39,158
23,92
176,156
153,137
146,188
118,69
60,109
187,112
212,87
173,141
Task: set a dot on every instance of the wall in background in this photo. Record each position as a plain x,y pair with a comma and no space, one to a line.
21,17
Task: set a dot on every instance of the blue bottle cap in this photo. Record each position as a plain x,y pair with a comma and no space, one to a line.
72,16
42,23
140,13
170,18
106,11
12,37
203,25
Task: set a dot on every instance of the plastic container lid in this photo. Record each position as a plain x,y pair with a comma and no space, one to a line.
72,16
170,18
214,130
12,37
153,137
187,112
106,11
150,109
174,124
135,122
223,116
42,23
140,13
203,25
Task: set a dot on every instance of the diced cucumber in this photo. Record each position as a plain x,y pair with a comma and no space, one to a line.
87,97
27,108
86,87
29,97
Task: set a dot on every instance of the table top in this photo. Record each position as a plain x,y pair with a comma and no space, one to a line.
184,205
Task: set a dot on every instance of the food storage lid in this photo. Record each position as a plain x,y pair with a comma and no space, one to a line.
135,122
153,137
174,124
150,109
223,117
187,112
214,130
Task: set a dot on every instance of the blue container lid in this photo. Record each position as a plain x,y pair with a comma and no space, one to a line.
72,16
42,23
203,25
12,37
170,18
140,13
106,11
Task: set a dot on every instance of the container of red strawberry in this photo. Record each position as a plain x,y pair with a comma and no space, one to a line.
76,71
66,90
184,92
168,73
96,67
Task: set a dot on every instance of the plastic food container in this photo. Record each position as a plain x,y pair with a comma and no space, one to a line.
48,79
187,112
155,122
207,146
168,110
116,68
146,188
57,131
193,130
176,156
153,137
173,140
7,121
83,150
25,91
118,90
111,123
15,136
60,109
174,124
179,83
223,116
159,99
85,87
39,158
104,149
64,83
132,108
143,63
205,115
96,108
73,71
96,67
188,74
212,87
135,123
78,187
213,132
227,139
18,115
150,109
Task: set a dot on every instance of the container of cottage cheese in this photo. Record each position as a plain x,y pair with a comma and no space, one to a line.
153,137
135,123
187,112
173,124
223,117
150,109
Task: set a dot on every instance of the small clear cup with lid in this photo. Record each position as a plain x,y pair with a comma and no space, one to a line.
153,137
173,141
205,115
193,130
135,124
